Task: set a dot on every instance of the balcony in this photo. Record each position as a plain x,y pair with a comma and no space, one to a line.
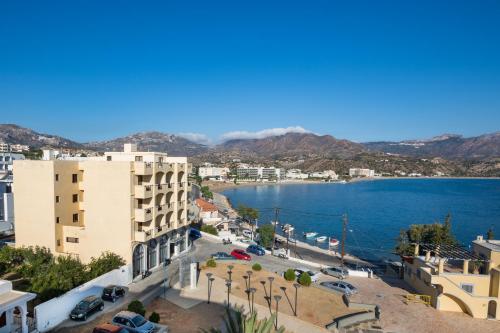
161,209
143,191
182,203
143,168
182,185
182,221
161,188
143,214
142,236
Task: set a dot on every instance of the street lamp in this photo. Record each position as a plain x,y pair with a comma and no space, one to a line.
249,273
228,285
210,280
246,281
297,286
277,298
271,279
252,291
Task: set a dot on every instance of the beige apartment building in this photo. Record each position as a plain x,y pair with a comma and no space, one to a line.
457,279
132,203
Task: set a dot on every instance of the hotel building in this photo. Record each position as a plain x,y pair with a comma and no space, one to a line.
130,203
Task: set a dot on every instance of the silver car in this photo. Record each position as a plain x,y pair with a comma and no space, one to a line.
133,322
342,286
336,271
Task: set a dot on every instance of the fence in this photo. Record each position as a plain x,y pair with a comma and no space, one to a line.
53,312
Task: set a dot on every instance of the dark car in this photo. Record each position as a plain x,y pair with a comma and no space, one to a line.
258,250
109,328
222,256
112,293
194,234
86,307
240,254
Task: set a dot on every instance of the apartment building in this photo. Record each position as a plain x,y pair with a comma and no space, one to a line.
260,173
212,172
358,172
457,279
131,203
7,159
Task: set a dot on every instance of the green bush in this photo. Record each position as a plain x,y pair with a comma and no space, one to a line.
290,275
137,307
256,267
305,279
154,318
209,229
211,263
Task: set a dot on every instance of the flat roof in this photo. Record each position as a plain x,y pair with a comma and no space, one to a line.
13,298
449,251
492,244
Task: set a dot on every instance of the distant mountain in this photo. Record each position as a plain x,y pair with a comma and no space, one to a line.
152,141
448,146
298,145
14,134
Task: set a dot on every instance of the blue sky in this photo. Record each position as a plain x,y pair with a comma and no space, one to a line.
361,70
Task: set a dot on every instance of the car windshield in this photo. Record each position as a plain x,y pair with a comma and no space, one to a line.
350,286
138,321
83,305
108,290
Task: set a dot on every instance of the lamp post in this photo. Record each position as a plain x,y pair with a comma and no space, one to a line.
230,273
277,298
249,273
252,291
228,285
210,280
246,282
271,279
297,286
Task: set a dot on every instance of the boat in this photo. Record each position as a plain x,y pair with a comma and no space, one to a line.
321,239
310,234
334,242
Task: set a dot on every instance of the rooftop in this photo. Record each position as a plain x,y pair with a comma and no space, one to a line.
206,206
492,244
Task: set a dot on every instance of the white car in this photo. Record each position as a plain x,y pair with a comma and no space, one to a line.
247,233
314,275
280,252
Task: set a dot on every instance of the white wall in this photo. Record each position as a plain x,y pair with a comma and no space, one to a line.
52,313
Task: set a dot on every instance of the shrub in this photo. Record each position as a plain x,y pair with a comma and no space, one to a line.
154,318
256,267
209,229
211,263
290,275
137,307
305,279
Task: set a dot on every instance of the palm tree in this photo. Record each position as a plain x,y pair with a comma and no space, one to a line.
235,321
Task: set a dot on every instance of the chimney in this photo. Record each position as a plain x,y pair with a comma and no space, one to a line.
129,147
479,238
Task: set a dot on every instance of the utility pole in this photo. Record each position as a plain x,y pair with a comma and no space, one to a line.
344,231
276,213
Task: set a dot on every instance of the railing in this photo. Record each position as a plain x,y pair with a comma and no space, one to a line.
181,185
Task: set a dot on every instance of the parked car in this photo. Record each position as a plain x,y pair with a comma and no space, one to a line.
314,275
247,233
194,234
336,271
133,322
280,252
86,307
109,328
256,249
342,286
112,293
222,256
240,254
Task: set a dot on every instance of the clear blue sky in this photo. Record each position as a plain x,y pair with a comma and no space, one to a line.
361,70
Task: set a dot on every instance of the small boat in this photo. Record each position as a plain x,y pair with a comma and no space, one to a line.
321,239
334,242
310,234
292,240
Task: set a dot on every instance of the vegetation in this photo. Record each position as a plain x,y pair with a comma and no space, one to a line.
154,317
290,275
305,279
490,235
235,321
211,263
266,233
256,267
248,213
205,191
436,233
210,229
137,307
40,272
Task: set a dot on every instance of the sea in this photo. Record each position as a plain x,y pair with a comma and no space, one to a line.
376,210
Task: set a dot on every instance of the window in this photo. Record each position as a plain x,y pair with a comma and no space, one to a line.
75,197
108,158
74,178
71,240
57,177
57,219
468,287
58,242
138,158
57,198
75,217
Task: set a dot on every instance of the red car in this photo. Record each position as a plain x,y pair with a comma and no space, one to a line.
240,254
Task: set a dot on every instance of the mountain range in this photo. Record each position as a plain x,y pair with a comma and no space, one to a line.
290,146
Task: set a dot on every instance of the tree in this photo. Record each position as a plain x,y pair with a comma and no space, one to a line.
154,317
436,233
290,275
266,233
305,279
490,235
235,321
137,307
205,191
248,213
106,262
256,267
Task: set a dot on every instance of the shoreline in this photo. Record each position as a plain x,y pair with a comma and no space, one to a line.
219,187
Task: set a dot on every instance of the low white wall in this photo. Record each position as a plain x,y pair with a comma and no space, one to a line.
51,313
359,273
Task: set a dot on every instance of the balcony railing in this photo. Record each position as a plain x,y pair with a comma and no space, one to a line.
143,214
143,168
143,191
181,184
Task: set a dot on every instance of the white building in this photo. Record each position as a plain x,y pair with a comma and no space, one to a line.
358,172
13,308
6,160
260,173
327,174
296,174
208,212
17,148
212,172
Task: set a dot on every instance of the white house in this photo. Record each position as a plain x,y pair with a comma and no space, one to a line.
212,172
13,308
358,172
324,174
296,174
209,214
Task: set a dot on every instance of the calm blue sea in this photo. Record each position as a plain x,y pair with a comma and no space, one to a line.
378,210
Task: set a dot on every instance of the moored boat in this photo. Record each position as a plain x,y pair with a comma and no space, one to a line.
334,242
310,234
321,239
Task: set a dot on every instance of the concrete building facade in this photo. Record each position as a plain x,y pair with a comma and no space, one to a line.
130,203
358,172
